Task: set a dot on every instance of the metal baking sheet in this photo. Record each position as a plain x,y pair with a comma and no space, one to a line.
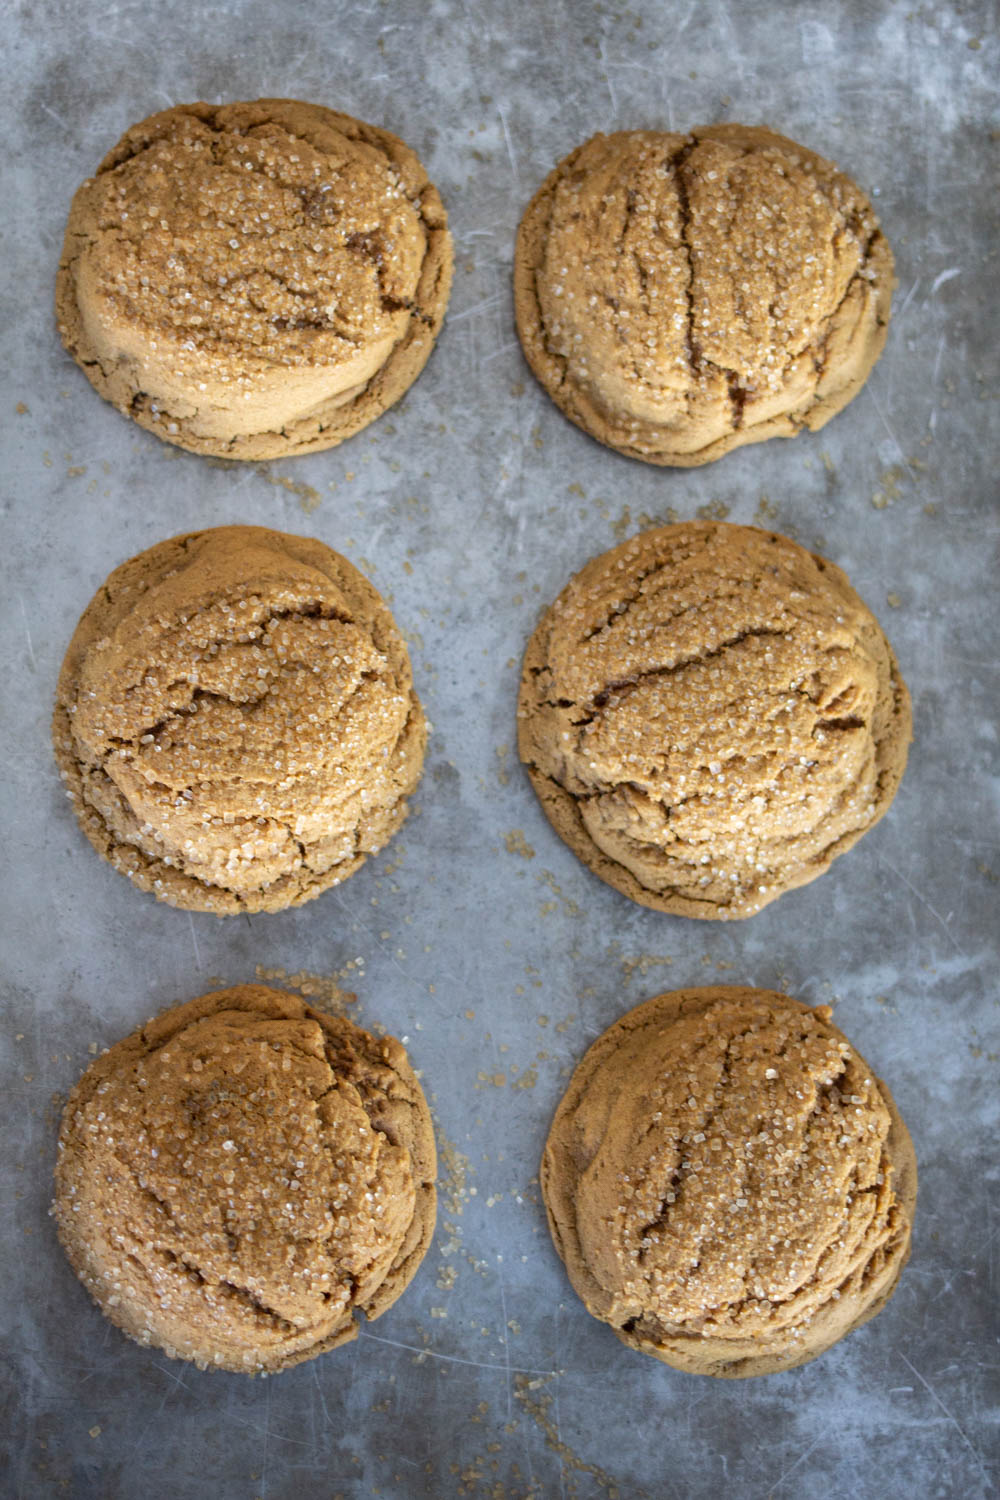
477,935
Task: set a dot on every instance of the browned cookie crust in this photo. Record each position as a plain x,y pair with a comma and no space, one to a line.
254,280
236,721
727,1183
680,295
710,715
238,1178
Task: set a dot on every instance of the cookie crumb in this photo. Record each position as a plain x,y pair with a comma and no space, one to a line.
516,843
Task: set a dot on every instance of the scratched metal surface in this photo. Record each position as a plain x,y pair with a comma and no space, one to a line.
488,1378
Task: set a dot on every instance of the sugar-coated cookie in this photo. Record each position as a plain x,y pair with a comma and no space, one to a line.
254,280
727,1182
242,1176
236,721
680,295
710,715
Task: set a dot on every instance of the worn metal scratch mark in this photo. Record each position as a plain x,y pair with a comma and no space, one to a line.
194,940
938,357
944,276
376,942
678,31
267,1437
278,1437
898,317
498,352
27,631
559,1438
947,1285
792,1467
607,80
468,312
953,1420
58,118
510,148
453,1359
506,1348
924,902
990,1247
322,1398
153,1421
882,418
165,1370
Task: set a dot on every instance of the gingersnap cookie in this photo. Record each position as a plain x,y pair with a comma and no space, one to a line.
680,295
727,1182
710,715
236,721
254,280
240,1177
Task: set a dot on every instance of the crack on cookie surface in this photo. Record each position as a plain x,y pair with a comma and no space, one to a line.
243,747
630,393
331,252
717,732
728,1185
191,1258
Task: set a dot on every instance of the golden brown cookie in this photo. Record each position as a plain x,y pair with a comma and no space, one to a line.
254,280
710,715
728,1183
236,721
241,1176
680,295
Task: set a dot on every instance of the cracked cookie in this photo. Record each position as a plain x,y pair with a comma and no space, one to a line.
254,280
678,296
236,721
727,1183
710,715
240,1177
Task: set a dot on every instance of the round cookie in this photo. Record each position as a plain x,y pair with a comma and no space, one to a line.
680,295
728,1184
254,280
710,715
241,1176
236,721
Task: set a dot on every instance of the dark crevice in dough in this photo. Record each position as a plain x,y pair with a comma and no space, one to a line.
622,687
677,165
175,717
256,1302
